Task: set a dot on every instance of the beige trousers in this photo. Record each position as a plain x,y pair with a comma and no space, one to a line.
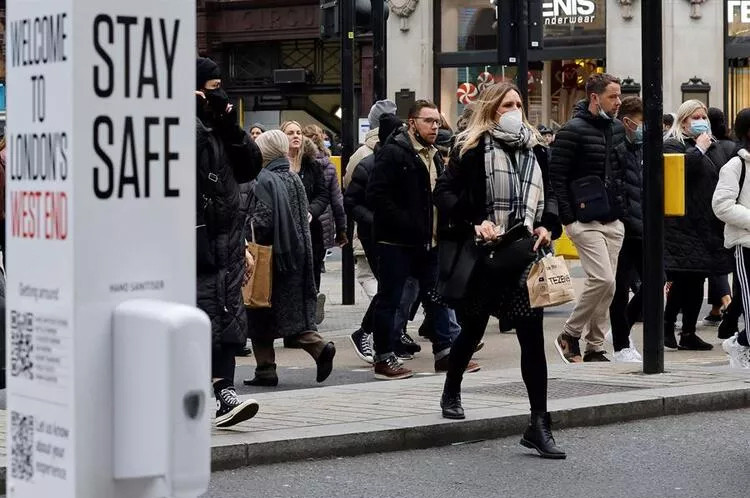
598,246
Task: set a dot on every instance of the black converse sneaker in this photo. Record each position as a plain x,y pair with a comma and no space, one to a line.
230,410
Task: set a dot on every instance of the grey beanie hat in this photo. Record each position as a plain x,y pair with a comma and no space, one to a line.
378,109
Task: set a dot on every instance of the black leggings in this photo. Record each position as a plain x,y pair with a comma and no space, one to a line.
223,362
530,333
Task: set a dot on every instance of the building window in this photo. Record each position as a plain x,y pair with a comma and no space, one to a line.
469,24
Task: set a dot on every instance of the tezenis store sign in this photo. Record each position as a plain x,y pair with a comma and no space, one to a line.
569,12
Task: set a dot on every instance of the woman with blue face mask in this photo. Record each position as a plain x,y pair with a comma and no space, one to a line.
694,243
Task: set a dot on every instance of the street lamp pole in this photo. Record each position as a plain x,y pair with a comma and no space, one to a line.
347,133
653,185
522,45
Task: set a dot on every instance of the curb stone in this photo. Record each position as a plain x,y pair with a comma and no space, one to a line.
643,405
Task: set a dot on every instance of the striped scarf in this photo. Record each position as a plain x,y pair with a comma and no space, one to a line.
515,189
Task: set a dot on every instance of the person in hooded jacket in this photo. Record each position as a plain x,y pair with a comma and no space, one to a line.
584,156
623,313
731,204
279,218
355,201
694,243
226,157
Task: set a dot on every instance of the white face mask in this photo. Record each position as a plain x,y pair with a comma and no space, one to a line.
511,122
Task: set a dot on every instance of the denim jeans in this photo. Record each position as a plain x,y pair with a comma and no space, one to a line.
396,265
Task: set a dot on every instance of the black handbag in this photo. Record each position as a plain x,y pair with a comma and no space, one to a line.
590,195
456,263
510,254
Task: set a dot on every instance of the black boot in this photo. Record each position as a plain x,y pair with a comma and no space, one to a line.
728,327
450,403
538,436
264,377
325,362
691,342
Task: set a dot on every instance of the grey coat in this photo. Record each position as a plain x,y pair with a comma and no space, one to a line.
293,294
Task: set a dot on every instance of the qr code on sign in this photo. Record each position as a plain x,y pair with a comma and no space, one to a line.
21,346
22,446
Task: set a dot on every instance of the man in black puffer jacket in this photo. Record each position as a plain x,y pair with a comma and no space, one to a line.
226,157
404,229
356,205
624,314
585,164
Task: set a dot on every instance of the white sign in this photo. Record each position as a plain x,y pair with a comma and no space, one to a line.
364,129
740,8
100,209
557,12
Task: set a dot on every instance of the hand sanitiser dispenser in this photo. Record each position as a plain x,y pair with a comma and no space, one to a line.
162,373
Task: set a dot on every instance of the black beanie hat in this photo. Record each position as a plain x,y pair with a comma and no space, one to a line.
206,69
388,124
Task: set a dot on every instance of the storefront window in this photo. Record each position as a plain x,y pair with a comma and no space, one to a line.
738,52
554,88
470,24
738,21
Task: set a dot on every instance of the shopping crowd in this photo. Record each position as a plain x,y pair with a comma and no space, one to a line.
453,221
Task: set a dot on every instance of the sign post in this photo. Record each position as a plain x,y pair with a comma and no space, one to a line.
101,210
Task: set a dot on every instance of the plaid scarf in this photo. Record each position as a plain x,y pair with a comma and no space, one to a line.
515,188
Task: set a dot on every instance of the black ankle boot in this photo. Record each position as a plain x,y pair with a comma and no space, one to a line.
450,403
670,342
691,342
538,436
264,377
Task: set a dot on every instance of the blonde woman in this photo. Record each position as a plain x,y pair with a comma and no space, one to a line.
303,158
495,180
694,243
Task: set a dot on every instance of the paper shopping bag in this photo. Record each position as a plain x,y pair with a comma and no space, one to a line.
256,291
549,283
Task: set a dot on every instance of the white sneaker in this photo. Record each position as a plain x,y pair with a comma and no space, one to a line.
739,355
608,338
627,355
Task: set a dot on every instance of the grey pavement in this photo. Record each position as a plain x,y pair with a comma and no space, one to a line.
699,455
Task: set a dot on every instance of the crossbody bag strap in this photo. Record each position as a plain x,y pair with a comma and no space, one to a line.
742,179
607,159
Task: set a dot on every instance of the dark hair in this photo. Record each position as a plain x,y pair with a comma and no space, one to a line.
418,106
630,107
742,126
667,119
598,83
718,123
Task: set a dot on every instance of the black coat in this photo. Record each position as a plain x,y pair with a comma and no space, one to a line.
695,242
355,198
318,196
223,161
580,150
400,194
461,195
631,157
